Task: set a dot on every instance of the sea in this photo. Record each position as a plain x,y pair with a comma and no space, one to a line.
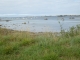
40,23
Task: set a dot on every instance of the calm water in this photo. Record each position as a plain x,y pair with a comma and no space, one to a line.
39,24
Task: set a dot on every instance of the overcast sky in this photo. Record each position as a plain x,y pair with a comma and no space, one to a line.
39,7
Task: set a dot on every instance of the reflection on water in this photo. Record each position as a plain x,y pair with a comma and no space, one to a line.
48,24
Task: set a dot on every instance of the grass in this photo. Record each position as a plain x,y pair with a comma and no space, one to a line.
16,45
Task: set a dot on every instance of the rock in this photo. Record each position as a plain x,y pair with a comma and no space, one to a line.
0,25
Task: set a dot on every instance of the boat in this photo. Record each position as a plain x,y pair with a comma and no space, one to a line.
45,19
71,17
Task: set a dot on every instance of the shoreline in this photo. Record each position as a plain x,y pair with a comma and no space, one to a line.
39,46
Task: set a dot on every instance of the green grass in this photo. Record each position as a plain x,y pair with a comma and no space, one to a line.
16,45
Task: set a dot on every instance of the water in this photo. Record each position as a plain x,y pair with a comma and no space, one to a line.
40,24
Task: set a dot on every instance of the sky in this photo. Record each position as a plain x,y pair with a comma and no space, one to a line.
39,7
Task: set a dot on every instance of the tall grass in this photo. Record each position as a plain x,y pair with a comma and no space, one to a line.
17,45
73,31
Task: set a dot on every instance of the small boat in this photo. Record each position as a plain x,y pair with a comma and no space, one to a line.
7,20
45,19
71,17
63,19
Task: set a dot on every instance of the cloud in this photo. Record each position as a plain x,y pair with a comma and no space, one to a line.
39,7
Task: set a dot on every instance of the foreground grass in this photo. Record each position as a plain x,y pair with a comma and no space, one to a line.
15,45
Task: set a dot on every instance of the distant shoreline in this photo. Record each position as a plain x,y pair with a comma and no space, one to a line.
34,15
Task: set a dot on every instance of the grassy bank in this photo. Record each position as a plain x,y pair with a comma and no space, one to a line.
16,45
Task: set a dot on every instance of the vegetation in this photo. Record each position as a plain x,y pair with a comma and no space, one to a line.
17,45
